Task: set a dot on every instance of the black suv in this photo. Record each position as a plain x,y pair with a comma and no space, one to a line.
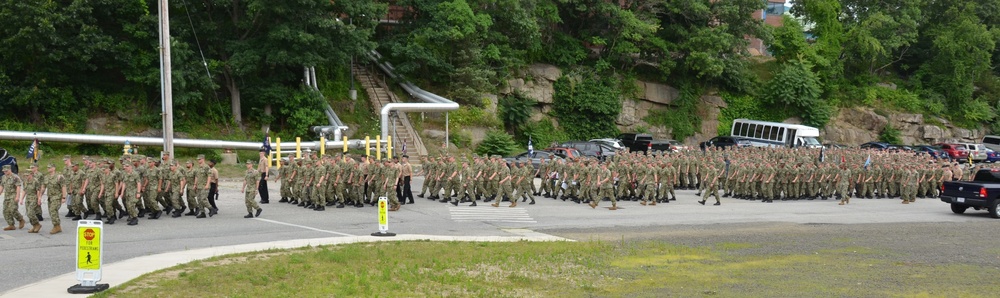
7,159
629,139
724,141
589,149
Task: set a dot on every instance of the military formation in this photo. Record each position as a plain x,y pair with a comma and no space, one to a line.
318,182
138,186
760,174
134,187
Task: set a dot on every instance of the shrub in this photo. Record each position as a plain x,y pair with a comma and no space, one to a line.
496,143
587,109
890,135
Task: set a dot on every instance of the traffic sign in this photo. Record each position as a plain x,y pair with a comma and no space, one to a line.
89,257
383,218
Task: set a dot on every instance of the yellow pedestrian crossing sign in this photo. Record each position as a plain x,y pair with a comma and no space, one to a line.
89,257
88,254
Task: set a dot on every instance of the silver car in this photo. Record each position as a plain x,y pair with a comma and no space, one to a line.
977,152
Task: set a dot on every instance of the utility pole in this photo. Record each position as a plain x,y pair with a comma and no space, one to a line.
353,93
166,84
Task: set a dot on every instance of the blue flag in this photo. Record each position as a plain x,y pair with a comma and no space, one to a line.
868,161
531,149
33,151
267,144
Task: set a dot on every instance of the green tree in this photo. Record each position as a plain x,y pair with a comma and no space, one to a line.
496,143
957,48
587,108
706,41
798,87
57,57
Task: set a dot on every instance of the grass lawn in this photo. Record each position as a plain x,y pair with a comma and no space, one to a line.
558,269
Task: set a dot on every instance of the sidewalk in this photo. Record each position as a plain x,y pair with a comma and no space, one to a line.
116,274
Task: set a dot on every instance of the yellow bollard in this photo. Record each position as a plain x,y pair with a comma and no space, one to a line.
277,148
269,160
322,146
378,147
368,146
388,146
298,147
345,144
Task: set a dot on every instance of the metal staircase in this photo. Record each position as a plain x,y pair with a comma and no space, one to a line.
400,127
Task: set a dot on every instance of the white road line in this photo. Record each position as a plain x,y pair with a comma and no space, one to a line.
303,227
467,214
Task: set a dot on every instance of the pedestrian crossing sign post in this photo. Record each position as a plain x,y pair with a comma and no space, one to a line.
383,218
89,257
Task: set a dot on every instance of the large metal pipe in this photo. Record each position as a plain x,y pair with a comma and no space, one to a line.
148,141
432,102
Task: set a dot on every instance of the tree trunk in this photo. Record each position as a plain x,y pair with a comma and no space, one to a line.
266,126
234,98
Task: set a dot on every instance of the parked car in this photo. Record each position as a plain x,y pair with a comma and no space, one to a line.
7,160
992,142
954,151
904,148
834,146
876,145
724,141
564,152
628,139
608,151
588,149
676,146
983,192
933,151
976,151
992,156
613,143
535,158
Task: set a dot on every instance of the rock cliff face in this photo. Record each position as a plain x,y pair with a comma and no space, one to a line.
852,126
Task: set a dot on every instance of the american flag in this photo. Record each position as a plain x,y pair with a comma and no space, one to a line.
267,143
531,149
33,151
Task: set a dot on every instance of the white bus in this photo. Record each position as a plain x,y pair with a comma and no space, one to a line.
774,134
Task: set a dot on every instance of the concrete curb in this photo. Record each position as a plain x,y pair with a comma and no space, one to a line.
118,273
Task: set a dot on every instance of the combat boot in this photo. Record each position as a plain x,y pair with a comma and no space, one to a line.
70,214
111,220
283,200
473,204
717,203
9,228
259,210
249,215
532,201
56,230
77,218
497,204
613,207
34,228
201,215
513,204
213,211
133,221
20,224
341,205
454,203
653,203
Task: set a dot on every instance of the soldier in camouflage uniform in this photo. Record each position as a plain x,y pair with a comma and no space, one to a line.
174,185
132,184
55,187
251,181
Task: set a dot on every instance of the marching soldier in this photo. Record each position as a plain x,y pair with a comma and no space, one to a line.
251,182
55,187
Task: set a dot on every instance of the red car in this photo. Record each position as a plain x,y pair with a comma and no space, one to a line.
955,151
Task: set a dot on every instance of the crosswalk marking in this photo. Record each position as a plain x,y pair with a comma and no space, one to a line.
490,214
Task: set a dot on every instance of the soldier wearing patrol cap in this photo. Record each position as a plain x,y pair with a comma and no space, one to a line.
191,188
251,179
10,187
55,188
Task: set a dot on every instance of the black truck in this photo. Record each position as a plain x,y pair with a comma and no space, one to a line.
983,192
